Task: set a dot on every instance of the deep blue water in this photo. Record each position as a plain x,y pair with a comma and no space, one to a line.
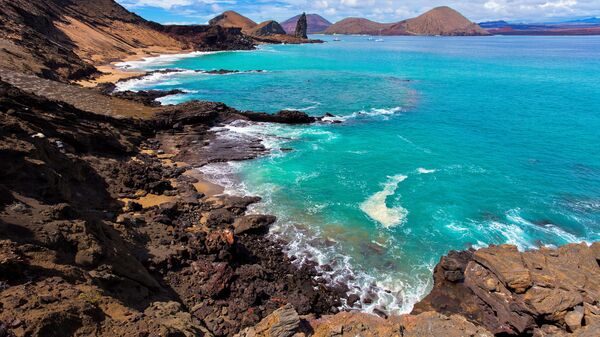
446,143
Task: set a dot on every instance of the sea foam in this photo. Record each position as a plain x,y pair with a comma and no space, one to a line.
162,60
376,206
364,113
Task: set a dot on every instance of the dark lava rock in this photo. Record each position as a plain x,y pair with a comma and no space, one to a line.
148,98
352,299
253,224
268,28
302,27
283,117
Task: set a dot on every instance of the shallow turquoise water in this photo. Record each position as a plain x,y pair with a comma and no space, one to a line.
447,143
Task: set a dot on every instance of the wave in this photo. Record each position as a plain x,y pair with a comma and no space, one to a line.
422,170
408,141
153,79
314,105
167,59
363,113
171,77
376,206
274,136
160,60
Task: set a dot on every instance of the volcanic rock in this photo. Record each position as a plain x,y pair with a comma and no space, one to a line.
301,27
315,24
253,223
267,28
283,322
510,292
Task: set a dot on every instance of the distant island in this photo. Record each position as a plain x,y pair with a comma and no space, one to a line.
438,21
589,26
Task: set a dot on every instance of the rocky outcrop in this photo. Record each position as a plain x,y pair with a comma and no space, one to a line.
104,233
315,24
148,97
210,38
267,28
283,322
301,27
515,293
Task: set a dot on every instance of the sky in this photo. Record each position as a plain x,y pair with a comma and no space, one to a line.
200,11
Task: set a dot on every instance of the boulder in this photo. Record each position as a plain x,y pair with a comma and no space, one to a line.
283,322
253,223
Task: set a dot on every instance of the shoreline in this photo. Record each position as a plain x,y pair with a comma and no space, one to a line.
192,238
112,73
371,295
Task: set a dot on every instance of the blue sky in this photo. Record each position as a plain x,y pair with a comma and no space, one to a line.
200,11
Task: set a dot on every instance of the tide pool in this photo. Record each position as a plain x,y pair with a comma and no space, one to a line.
445,143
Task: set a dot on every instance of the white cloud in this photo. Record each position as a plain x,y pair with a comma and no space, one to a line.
383,10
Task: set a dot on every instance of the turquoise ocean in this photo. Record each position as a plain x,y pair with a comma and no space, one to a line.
445,144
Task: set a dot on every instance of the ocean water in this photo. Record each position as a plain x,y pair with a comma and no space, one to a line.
445,144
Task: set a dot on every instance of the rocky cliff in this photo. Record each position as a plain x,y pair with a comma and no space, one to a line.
65,39
105,232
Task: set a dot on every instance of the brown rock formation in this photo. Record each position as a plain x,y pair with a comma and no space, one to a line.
266,32
64,40
430,324
514,293
231,19
267,28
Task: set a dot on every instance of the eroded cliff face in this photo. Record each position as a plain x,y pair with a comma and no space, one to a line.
65,39
512,293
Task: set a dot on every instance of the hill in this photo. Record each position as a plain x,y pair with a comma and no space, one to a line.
442,21
266,32
357,26
316,24
231,19
438,21
65,40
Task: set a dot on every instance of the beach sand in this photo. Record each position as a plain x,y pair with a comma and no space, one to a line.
203,185
113,74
